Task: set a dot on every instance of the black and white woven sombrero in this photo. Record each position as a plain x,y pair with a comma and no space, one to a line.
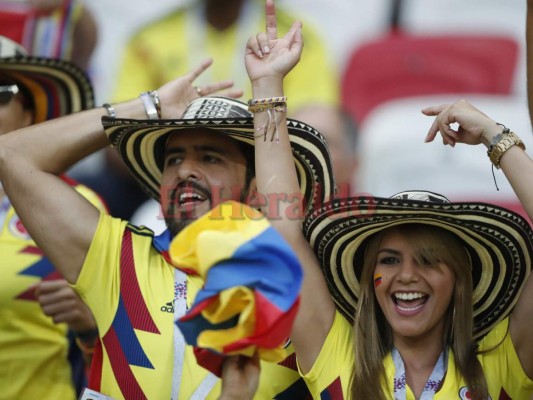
57,87
499,242
141,144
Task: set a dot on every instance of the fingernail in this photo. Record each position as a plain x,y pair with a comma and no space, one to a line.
266,49
260,54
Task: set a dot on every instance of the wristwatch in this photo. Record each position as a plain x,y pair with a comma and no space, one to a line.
501,143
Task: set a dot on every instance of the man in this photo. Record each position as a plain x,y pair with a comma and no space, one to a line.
191,164
38,309
205,28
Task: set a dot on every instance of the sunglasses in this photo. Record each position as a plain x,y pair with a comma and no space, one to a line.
7,92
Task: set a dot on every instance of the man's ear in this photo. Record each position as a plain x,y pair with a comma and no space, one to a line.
252,187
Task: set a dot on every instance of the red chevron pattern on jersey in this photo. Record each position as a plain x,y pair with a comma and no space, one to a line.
121,342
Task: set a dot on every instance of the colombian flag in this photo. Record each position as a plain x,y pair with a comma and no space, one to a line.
252,285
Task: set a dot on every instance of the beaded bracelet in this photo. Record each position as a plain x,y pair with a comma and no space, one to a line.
267,100
280,106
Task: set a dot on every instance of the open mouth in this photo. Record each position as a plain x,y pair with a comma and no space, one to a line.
189,195
409,301
185,199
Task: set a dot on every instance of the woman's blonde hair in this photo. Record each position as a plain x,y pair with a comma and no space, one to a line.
373,335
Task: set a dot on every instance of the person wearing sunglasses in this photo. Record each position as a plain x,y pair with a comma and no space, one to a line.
15,107
41,317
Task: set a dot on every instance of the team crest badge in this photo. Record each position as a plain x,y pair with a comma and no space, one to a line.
18,229
464,394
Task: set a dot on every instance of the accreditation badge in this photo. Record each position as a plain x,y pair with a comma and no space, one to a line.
89,394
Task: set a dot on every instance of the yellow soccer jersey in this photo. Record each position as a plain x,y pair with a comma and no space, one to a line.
503,372
33,350
172,46
131,289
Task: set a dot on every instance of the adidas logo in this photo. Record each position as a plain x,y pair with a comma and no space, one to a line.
168,307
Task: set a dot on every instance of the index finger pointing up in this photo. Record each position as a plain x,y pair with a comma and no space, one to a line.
271,21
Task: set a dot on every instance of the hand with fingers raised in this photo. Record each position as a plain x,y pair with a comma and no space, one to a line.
474,126
177,94
269,58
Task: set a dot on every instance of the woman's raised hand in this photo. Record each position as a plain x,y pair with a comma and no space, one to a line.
474,127
269,57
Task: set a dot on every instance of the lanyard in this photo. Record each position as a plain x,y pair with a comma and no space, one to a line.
432,385
180,307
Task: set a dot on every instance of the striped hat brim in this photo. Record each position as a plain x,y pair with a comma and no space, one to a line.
499,243
141,144
58,87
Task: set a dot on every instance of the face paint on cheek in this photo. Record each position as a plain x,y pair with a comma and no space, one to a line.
377,280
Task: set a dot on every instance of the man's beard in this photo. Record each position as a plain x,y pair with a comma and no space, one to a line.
176,221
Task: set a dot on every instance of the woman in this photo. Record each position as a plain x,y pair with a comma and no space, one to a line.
417,330
433,286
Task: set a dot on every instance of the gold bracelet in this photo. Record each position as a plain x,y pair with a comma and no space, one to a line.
267,100
505,141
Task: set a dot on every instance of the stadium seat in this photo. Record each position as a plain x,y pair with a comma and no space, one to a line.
402,65
393,156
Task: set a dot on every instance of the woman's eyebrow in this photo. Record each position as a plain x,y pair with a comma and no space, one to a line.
391,251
